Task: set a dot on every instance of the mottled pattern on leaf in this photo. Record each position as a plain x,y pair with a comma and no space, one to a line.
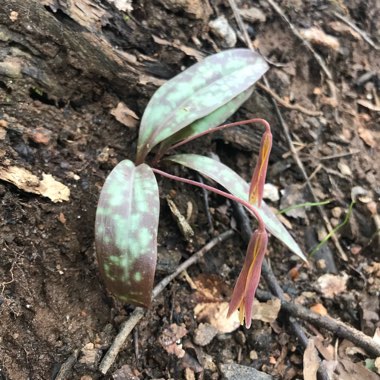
126,232
210,121
237,186
197,92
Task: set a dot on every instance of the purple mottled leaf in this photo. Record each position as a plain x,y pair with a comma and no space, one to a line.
236,185
126,232
197,92
212,120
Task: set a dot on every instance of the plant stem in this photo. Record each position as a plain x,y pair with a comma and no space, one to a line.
221,127
232,197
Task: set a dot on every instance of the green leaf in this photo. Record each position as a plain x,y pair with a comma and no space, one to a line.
197,92
126,232
237,186
210,121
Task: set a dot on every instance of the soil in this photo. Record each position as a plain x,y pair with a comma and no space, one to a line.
52,301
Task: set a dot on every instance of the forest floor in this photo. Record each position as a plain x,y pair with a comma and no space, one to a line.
54,308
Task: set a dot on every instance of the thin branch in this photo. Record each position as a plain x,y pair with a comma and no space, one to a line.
295,31
138,313
338,328
353,26
285,104
66,368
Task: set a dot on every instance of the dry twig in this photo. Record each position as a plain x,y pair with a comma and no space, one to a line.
295,31
362,34
139,312
338,328
287,105
65,370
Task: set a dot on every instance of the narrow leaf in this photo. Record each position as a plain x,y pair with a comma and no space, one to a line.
237,186
126,232
197,92
212,120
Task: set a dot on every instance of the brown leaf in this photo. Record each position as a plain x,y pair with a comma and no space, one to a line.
367,136
319,309
369,105
266,311
215,313
319,37
26,181
343,29
3,133
310,361
331,285
209,288
347,370
125,115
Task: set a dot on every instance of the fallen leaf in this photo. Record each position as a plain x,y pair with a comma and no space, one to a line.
26,181
170,337
3,133
343,29
319,309
189,374
327,351
319,37
266,311
331,285
215,313
347,370
125,115
310,361
369,105
253,14
209,288
126,372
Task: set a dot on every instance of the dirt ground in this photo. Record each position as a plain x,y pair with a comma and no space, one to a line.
52,302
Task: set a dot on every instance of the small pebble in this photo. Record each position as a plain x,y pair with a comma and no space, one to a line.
204,334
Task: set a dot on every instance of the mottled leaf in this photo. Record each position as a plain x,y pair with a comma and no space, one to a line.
237,186
197,92
126,232
210,121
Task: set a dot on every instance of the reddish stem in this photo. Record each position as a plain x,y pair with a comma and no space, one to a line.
247,205
220,127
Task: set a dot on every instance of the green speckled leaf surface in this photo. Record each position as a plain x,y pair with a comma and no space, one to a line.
212,120
197,92
236,185
126,232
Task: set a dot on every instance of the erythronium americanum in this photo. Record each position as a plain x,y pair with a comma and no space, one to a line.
188,106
